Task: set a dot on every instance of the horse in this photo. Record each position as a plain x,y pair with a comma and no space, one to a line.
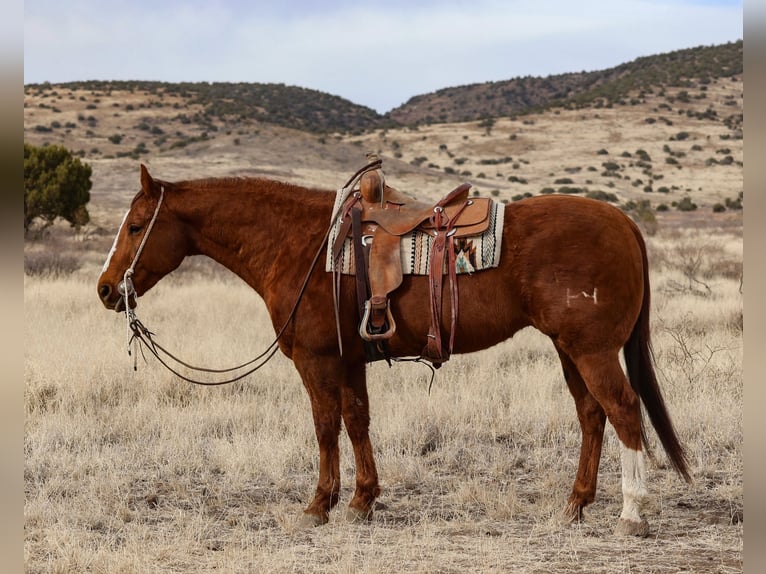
574,268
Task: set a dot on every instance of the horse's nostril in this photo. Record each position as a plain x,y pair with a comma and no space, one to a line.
104,291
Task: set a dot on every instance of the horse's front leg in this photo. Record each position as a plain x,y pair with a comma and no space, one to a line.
356,417
323,383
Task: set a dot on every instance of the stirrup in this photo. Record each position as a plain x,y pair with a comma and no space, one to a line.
363,330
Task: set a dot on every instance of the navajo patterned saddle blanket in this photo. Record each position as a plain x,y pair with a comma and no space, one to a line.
472,254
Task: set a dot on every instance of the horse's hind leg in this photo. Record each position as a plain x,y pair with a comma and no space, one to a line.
606,381
356,416
592,419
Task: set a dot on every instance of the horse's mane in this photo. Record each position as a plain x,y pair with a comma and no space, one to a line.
245,184
242,182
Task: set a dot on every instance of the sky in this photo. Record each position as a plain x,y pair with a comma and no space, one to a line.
374,53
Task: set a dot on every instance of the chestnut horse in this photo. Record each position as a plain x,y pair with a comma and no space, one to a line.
574,268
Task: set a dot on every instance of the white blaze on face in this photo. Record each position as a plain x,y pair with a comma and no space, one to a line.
114,245
633,483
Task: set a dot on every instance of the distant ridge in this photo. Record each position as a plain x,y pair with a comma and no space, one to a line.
288,106
600,88
315,111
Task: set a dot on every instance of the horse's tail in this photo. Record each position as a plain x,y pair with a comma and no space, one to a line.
639,361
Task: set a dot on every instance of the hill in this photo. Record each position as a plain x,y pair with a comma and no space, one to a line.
278,104
315,111
605,88
666,147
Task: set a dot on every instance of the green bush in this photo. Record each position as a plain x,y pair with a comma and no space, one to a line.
602,196
56,184
734,203
686,204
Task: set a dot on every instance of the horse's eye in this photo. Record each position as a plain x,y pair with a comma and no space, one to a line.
133,229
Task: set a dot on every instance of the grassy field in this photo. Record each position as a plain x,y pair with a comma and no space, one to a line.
140,472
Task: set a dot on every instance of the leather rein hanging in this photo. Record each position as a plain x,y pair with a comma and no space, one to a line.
143,337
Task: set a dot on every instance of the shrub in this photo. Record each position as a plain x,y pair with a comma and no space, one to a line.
50,264
602,196
686,204
56,184
734,203
643,155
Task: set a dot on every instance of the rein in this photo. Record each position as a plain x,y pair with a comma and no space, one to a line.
142,337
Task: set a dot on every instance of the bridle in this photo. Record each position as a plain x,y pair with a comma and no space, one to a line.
126,288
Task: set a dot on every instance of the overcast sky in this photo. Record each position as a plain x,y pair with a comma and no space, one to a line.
375,53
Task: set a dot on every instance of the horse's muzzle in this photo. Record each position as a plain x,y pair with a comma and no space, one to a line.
115,299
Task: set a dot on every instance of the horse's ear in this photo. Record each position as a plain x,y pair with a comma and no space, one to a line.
150,187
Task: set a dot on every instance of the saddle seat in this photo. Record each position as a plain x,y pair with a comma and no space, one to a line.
376,217
401,214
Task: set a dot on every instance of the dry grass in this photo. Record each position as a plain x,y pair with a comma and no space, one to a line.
139,472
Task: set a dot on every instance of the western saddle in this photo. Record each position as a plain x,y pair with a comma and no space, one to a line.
376,217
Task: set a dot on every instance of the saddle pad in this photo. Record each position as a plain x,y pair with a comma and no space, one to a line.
472,253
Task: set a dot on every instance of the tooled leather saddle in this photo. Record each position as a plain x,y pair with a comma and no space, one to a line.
376,217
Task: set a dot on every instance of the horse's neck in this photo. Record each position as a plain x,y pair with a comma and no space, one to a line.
250,227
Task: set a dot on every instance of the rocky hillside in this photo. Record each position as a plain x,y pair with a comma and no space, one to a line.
669,142
624,84
315,111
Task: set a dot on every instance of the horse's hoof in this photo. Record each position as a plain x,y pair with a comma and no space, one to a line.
632,528
572,514
356,516
566,518
310,520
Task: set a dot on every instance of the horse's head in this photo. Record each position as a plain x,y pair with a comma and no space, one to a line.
149,244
